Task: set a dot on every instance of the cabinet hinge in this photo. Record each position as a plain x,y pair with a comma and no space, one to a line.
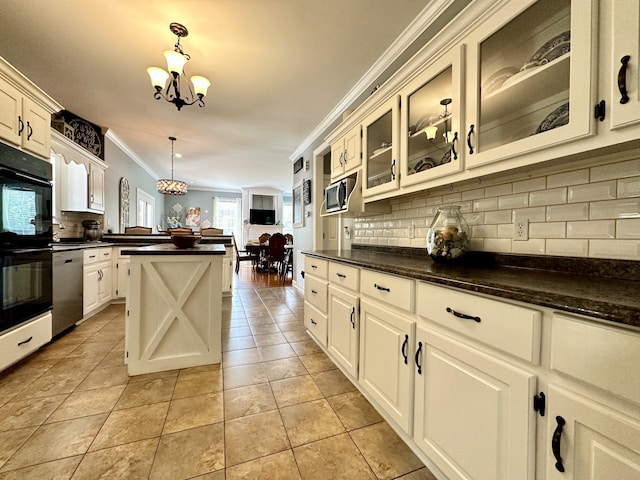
539,403
600,110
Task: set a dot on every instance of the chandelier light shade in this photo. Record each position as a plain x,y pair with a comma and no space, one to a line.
167,83
171,187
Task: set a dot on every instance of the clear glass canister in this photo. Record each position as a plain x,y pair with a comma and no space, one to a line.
448,235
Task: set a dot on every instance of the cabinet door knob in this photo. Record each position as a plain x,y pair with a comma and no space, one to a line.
622,79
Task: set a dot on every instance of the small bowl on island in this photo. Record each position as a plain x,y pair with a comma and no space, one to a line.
185,240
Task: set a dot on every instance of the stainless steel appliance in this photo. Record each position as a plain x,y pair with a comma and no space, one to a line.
336,194
25,237
67,289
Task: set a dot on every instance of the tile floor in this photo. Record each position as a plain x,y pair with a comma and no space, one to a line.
277,408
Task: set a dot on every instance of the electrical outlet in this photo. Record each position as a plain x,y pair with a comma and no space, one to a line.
521,229
411,231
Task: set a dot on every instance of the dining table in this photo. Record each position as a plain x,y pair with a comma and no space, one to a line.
261,250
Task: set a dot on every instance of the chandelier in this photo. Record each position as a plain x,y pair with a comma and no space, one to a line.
176,60
171,187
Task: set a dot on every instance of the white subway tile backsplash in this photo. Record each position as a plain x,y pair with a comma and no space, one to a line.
534,246
566,247
547,230
625,208
625,169
419,202
629,187
533,214
498,216
473,194
622,249
530,185
519,200
553,196
505,230
592,229
500,245
452,198
629,228
572,211
434,201
484,231
592,192
575,177
484,204
498,190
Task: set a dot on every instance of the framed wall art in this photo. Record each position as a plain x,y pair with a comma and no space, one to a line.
298,205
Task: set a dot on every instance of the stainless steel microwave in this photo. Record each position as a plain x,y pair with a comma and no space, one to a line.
336,194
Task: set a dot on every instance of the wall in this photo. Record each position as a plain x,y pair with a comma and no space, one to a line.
591,210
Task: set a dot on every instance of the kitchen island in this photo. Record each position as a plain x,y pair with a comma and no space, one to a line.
173,307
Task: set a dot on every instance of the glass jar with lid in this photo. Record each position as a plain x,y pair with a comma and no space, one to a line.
448,235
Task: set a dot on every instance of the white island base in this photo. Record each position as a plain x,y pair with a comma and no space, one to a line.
174,307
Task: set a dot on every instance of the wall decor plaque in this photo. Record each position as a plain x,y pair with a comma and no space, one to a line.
297,166
86,134
306,192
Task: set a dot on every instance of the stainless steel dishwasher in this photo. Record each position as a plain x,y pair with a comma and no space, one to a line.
67,289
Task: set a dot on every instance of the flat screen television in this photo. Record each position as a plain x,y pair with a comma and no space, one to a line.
262,217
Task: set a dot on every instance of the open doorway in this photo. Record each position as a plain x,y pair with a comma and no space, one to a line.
326,229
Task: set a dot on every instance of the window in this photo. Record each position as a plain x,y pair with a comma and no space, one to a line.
287,213
146,209
227,215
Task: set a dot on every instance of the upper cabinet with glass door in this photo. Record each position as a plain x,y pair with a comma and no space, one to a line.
430,124
530,80
380,147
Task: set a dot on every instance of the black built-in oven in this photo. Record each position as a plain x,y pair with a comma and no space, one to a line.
25,237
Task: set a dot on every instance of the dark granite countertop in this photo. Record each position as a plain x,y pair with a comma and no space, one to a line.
119,239
66,246
599,288
171,249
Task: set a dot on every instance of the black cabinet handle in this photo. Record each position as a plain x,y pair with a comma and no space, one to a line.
463,315
25,341
393,169
403,350
622,79
353,320
29,131
471,127
314,292
453,146
417,358
20,125
314,322
384,289
314,266
555,443
341,275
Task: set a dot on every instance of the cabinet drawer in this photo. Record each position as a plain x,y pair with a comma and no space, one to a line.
396,291
24,340
604,356
344,275
315,292
316,266
316,323
510,328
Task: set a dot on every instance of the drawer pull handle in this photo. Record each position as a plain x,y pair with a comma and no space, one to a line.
314,322
463,315
622,79
555,443
353,320
314,292
384,289
341,275
25,341
417,358
405,344
314,266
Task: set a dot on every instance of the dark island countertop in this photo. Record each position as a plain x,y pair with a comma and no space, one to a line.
171,249
599,288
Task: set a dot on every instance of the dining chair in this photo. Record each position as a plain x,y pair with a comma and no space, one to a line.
264,238
286,265
208,232
179,230
289,238
275,252
243,255
137,230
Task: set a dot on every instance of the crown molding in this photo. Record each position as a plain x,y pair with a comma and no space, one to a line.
130,153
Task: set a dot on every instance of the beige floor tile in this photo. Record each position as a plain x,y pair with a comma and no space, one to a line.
421,474
261,320
125,462
133,424
143,393
92,348
54,383
105,377
284,368
57,469
58,440
240,402
270,339
200,383
336,458
306,347
265,329
291,326
310,421
12,440
296,335
318,362
279,466
290,391
113,359
88,362
333,382
192,412
244,375
388,456
189,453
30,412
86,403
238,343
240,357
236,332
354,410
150,376
246,438
274,352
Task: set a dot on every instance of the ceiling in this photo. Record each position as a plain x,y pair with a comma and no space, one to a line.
278,68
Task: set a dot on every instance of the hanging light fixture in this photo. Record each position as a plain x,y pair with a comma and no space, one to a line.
176,60
171,187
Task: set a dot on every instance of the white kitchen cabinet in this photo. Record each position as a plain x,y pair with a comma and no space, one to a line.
315,298
587,440
227,271
96,187
343,335
121,276
431,119
530,79
386,366
473,412
97,279
381,148
346,153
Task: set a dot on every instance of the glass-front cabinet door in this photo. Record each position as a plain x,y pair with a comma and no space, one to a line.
430,124
380,147
530,83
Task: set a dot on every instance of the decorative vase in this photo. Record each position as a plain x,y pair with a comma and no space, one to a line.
448,235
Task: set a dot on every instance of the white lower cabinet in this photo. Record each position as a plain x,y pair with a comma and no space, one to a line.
386,366
473,415
97,284
343,334
121,276
227,271
589,441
